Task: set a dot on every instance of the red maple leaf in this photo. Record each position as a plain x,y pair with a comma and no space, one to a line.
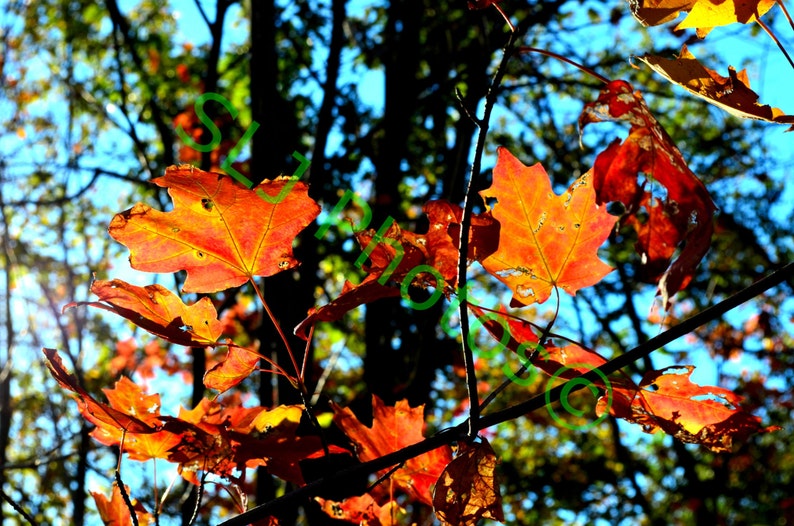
682,219
397,254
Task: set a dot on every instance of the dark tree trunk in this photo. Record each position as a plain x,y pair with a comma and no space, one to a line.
289,294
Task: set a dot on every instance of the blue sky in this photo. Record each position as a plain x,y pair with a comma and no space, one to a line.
770,76
763,60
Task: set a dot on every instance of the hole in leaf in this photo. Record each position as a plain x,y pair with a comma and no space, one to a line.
541,220
616,208
525,291
642,215
207,204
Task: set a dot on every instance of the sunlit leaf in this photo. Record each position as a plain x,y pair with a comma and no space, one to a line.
238,364
114,511
220,232
703,14
668,401
98,413
546,240
467,490
394,428
681,219
159,311
731,93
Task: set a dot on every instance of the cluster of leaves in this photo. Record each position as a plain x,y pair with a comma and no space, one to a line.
535,242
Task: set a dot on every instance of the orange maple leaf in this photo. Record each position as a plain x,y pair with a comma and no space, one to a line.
114,511
394,428
96,412
668,401
238,364
159,311
220,232
546,240
128,397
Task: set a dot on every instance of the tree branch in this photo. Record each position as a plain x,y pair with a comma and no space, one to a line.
461,431
465,226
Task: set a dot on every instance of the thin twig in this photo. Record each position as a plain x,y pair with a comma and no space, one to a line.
123,491
459,432
785,13
473,118
199,496
465,226
384,477
525,364
778,42
580,67
19,509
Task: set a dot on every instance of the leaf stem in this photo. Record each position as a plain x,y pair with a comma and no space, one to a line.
504,15
280,333
304,394
585,69
277,369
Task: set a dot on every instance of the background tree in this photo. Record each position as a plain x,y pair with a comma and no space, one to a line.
92,96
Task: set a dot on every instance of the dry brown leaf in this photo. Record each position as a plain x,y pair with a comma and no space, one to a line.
467,490
732,93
